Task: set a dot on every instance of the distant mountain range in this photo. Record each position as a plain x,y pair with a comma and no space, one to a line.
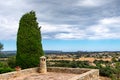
9,52
46,51
57,51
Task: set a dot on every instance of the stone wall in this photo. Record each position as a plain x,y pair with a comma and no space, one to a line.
90,75
7,76
85,74
67,70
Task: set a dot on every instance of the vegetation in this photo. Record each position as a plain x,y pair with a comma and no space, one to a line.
5,68
29,47
1,46
12,62
106,70
116,73
63,63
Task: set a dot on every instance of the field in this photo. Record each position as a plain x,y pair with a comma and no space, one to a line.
90,59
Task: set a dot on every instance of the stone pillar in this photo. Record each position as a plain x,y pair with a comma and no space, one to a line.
43,68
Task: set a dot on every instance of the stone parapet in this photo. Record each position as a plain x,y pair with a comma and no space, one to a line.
83,74
90,75
67,70
8,76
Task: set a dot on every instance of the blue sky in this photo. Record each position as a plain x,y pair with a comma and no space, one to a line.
72,45
68,25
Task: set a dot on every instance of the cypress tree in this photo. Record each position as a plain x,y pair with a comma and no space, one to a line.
29,47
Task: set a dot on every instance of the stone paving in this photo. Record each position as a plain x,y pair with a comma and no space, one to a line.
47,76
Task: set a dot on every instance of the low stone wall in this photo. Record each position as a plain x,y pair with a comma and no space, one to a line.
67,70
85,74
7,76
90,75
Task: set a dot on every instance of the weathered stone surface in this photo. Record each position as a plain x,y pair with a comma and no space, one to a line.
74,74
43,68
68,70
7,76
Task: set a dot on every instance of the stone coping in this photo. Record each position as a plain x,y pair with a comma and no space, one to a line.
90,75
85,74
67,70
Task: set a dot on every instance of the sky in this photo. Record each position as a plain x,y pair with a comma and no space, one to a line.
67,25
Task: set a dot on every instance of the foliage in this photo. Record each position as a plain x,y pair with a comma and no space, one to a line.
101,62
1,46
106,71
12,62
73,64
2,64
114,59
5,68
29,47
116,74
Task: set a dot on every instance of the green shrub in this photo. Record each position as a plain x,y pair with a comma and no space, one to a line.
106,71
5,69
3,64
12,62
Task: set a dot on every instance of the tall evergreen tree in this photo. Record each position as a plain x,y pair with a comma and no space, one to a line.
29,47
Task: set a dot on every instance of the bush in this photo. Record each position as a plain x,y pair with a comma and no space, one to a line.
116,69
5,69
106,71
12,62
1,64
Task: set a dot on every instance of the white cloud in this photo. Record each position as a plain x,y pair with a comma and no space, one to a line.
109,21
107,28
61,31
8,28
10,13
78,34
62,22
98,29
56,28
91,3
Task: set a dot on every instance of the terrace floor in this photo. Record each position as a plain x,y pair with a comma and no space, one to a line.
48,76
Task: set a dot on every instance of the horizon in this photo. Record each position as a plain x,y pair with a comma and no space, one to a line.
61,51
67,25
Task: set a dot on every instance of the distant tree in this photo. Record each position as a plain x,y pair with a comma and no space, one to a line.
29,47
106,71
116,74
1,46
114,59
